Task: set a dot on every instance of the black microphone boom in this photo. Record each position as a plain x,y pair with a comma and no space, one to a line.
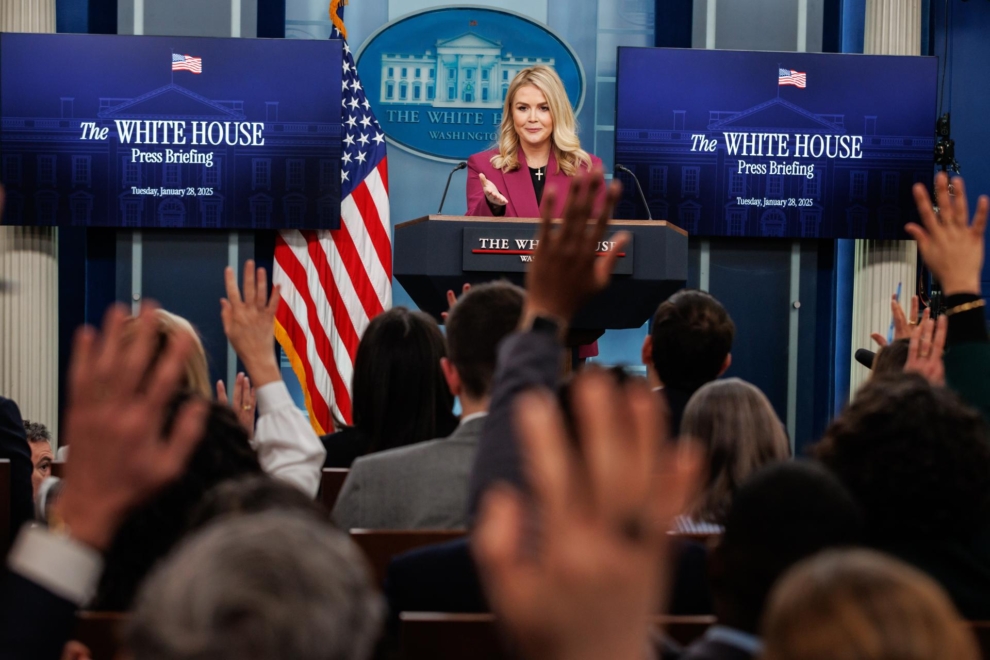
460,166
865,357
642,197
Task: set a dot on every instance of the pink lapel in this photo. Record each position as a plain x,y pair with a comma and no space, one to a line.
519,190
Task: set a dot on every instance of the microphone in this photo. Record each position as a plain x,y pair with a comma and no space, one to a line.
865,357
460,166
642,197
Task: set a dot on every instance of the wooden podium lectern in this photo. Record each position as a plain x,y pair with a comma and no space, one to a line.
437,253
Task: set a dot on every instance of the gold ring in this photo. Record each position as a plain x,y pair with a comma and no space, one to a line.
246,407
912,323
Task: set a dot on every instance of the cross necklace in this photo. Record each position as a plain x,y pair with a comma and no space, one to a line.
539,173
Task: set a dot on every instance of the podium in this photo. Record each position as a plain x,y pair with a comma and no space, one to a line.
437,253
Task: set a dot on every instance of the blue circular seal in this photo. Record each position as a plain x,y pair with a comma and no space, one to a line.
437,79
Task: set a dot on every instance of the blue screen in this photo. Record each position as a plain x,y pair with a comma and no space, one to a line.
141,131
734,143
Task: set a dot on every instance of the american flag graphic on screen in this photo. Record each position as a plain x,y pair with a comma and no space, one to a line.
335,281
187,63
792,77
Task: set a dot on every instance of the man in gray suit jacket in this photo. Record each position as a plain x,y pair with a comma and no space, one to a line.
425,485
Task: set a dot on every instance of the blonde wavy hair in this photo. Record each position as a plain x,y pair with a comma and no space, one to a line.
197,373
862,605
566,145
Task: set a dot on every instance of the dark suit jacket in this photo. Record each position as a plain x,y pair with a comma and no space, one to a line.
34,623
677,401
517,186
14,445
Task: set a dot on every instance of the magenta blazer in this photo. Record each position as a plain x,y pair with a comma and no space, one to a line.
517,186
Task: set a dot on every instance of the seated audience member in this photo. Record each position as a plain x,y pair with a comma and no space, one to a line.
689,344
151,530
917,459
398,392
782,514
740,433
117,397
890,359
15,448
425,485
268,585
40,441
283,446
864,605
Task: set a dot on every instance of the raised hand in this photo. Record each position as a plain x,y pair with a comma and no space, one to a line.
951,246
117,401
577,572
249,322
566,271
925,350
902,326
244,401
494,197
452,299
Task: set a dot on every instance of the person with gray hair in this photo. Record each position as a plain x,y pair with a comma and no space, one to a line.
268,585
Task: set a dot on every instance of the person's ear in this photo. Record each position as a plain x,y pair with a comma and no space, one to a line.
646,353
451,376
726,364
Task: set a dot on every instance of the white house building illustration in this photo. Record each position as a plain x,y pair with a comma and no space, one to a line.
468,71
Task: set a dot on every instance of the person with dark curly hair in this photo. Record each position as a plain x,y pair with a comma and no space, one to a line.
917,460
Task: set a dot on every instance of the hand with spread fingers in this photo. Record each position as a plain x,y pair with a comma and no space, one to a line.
577,571
951,246
248,316
926,348
902,324
244,402
566,271
117,402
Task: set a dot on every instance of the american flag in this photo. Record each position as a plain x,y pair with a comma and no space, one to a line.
791,77
187,63
335,281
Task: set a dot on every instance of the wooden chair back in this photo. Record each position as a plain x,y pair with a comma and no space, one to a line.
100,632
381,545
441,636
5,523
330,484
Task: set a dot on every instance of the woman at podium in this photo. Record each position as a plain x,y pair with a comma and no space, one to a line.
538,149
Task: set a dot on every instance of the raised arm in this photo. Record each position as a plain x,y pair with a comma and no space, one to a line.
288,448
952,248
565,273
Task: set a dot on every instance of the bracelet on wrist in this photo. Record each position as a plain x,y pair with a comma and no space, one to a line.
965,307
